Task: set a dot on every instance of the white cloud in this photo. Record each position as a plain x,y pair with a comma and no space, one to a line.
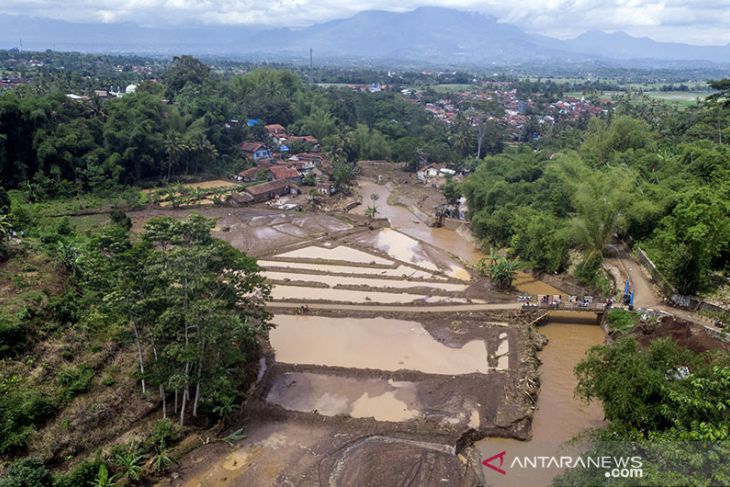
694,21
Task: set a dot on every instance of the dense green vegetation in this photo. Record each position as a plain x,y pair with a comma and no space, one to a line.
653,176
187,308
662,403
191,123
172,317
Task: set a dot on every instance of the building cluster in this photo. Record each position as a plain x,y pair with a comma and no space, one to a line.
517,111
104,94
9,82
278,169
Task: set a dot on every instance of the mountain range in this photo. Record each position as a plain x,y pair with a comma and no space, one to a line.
429,35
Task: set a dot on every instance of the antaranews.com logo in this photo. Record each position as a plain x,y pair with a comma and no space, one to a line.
624,467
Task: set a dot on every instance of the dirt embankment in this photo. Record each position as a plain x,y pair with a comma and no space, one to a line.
684,333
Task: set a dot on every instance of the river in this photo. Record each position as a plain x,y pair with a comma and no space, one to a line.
559,415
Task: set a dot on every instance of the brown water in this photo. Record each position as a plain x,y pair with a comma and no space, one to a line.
329,395
302,293
340,253
400,271
372,343
333,281
559,416
404,221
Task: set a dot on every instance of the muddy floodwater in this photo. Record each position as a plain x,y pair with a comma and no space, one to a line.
299,293
559,416
384,400
341,253
372,343
400,271
333,281
403,220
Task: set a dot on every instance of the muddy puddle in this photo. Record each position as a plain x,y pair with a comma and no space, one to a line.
372,343
339,253
384,400
333,281
406,249
400,271
559,416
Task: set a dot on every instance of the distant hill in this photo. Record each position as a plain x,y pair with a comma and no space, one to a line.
426,35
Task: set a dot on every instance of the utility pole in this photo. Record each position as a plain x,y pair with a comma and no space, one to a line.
21,44
311,67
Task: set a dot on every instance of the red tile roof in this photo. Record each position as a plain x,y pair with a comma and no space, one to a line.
283,172
251,146
275,129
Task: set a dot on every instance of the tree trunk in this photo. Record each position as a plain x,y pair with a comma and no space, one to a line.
164,401
139,355
197,382
182,411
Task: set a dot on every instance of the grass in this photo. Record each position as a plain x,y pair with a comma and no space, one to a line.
622,320
451,88
127,199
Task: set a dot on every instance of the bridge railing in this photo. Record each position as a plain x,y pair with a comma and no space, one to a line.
561,302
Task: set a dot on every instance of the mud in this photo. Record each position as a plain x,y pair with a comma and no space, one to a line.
400,271
374,283
254,230
281,452
376,395
339,253
326,295
378,343
686,334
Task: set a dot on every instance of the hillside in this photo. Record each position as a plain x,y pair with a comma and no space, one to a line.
428,35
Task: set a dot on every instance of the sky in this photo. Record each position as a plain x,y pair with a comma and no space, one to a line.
704,22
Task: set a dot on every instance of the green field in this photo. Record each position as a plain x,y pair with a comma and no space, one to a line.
682,98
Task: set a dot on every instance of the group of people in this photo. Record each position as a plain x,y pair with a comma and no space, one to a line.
555,301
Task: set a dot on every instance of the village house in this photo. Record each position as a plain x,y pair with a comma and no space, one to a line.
252,173
266,191
428,172
303,139
308,160
255,151
286,173
275,130
239,198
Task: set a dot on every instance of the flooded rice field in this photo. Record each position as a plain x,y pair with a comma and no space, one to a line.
406,249
354,395
316,294
334,281
376,343
383,400
339,253
403,271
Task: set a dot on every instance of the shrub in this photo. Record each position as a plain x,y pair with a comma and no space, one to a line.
28,472
75,380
